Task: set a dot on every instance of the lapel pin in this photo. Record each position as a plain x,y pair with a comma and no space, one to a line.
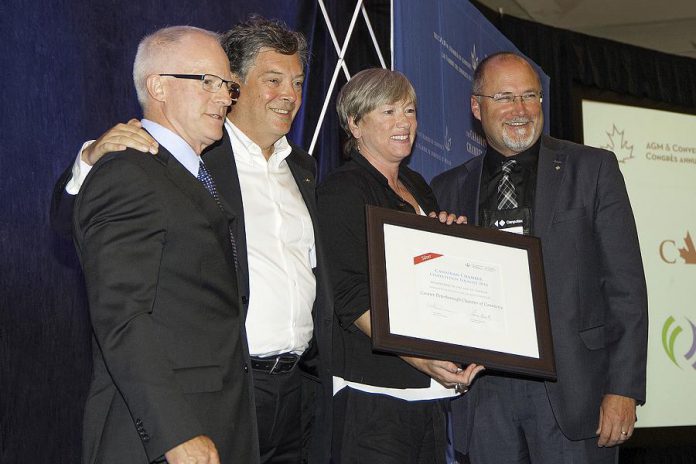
307,180
557,165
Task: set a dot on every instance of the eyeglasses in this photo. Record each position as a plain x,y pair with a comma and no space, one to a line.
210,82
508,97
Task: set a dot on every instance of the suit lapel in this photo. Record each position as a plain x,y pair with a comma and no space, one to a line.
304,179
306,183
468,189
219,159
195,190
550,173
220,162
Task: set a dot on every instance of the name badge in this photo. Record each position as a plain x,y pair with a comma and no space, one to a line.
517,221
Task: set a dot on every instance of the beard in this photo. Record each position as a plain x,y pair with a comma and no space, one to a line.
523,136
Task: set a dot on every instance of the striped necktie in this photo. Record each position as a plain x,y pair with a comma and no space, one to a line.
507,196
209,184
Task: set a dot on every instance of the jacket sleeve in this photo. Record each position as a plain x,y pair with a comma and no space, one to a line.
62,204
120,233
341,205
623,283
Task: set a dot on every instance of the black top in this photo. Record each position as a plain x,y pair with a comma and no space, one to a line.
342,198
523,177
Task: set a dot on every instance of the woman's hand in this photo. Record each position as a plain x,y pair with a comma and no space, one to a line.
445,372
448,218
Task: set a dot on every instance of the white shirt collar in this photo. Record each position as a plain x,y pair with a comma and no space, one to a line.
281,148
177,146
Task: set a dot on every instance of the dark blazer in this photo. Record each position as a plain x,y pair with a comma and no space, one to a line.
594,278
316,363
169,338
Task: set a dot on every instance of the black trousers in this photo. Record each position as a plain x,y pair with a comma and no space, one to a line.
278,413
379,429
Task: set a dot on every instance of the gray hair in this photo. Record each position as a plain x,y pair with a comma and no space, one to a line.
155,53
479,77
244,41
367,90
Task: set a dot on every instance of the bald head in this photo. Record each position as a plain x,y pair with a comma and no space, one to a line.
507,101
158,51
173,71
499,58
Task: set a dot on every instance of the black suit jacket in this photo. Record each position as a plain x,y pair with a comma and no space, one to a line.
169,338
594,277
316,363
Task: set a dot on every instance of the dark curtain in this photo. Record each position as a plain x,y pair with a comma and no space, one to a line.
572,59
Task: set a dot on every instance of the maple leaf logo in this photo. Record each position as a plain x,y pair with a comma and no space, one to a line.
622,149
688,253
474,58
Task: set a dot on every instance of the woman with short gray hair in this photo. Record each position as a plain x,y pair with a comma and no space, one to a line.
387,408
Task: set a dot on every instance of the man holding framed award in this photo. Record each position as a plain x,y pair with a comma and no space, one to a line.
573,198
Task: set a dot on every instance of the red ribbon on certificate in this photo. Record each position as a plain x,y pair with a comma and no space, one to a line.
425,257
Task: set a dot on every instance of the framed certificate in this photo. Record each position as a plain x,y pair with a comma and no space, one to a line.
459,293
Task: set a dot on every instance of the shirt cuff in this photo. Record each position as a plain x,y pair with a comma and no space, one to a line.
80,170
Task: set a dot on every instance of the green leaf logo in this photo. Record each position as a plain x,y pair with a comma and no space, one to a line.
670,332
668,338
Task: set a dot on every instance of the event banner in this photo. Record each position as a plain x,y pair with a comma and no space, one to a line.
438,44
657,155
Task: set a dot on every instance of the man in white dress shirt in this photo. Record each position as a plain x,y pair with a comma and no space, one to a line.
282,283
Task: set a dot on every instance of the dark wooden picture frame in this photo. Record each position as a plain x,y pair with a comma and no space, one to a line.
384,340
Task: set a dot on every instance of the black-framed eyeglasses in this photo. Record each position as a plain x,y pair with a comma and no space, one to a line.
509,97
210,82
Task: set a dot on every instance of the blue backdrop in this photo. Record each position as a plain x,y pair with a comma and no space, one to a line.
66,77
439,53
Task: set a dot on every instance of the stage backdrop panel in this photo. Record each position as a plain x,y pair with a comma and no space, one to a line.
438,45
657,155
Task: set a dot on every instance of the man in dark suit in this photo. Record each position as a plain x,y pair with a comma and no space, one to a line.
170,380
574,199
270,193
